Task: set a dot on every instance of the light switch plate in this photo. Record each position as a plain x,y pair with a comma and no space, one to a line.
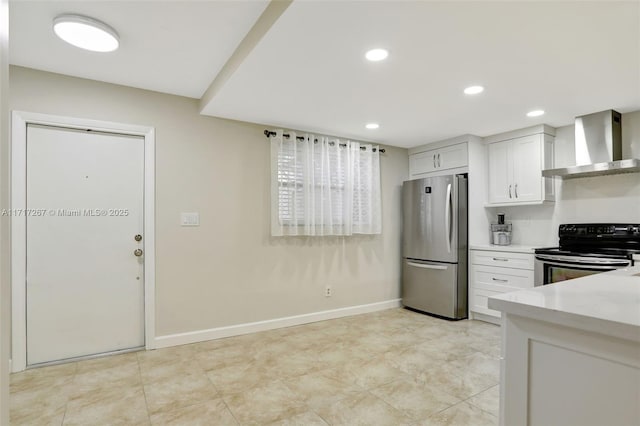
190,219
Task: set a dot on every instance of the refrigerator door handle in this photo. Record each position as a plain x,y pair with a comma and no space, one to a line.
447,214
425,266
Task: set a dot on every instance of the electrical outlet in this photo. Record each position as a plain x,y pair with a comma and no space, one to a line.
327,291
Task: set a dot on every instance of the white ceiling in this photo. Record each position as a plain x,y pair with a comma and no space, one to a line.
309,72
174,47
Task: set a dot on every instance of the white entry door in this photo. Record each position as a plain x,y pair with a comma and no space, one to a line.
85,210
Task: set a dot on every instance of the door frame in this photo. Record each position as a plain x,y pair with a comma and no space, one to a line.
19,122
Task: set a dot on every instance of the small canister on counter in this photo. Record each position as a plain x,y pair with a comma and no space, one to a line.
500,232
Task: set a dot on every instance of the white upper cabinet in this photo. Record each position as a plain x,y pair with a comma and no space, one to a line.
500,172
423,162
515,170
452,156
528,164
444,158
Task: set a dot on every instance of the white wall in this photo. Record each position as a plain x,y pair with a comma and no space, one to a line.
229,270
613,198
5,289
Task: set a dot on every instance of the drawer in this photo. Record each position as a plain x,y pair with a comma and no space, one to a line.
432,287
502,259
501,279
480,302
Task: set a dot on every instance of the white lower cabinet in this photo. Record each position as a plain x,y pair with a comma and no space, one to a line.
496,272
553,373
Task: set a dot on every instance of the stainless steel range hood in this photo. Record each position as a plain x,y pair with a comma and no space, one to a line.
598,148
631,165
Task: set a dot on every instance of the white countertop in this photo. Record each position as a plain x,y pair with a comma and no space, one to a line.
514,248
607,303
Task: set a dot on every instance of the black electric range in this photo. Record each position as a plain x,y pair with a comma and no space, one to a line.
587,248
596,240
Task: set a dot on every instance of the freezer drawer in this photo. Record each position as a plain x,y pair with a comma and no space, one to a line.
434,287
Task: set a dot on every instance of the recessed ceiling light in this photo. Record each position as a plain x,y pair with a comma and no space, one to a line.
86,33
375,55
473,90
535,113
372,126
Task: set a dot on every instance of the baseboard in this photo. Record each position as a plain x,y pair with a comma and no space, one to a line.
486,318
252,327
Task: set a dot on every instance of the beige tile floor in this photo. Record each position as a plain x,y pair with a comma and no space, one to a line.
393,367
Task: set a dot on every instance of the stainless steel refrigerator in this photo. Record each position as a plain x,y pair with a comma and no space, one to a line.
434,246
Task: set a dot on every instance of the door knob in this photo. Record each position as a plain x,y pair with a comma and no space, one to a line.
138,237
137,252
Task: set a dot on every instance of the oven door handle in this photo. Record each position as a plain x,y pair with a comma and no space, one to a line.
589,267
564,261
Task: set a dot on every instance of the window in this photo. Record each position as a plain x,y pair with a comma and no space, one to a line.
322,186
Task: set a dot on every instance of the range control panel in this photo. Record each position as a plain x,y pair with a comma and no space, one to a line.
598,230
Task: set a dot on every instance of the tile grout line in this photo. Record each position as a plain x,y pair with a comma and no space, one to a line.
308,407
432,414
206,373
66,405
445,409
402,412
191,404
229,409
144,392
466,400
476,394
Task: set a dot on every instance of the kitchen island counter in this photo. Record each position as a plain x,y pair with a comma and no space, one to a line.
571,351
606,303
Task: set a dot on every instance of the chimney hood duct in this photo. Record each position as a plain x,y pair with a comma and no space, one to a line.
598,148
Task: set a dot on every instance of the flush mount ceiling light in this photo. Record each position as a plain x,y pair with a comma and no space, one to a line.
535,113
473,90
375,55
86,33
372,126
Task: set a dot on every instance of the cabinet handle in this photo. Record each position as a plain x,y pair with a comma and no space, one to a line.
499,280
516,190
439,164
501,259
509,191
434,161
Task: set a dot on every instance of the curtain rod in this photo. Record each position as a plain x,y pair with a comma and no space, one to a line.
269,133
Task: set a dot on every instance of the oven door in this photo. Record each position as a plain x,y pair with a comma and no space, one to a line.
551,269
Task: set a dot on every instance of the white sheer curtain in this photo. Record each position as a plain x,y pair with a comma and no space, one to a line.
324,186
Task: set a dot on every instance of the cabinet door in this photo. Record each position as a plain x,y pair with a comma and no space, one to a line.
527,166
422,162
500,172
452,156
